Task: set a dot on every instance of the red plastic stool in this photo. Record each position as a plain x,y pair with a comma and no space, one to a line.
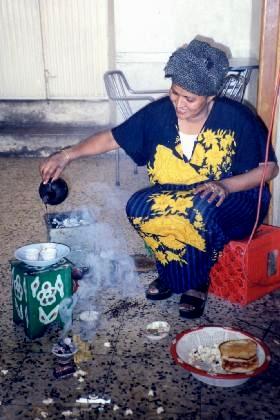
243,278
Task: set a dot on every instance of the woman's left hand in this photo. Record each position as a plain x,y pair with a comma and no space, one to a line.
213,190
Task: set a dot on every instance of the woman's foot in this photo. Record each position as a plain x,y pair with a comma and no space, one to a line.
158,291
192,304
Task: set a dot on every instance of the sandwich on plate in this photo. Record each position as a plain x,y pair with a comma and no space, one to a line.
239,356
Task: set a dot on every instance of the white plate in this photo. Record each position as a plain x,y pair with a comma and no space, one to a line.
62,252
157,330
89,316
209,336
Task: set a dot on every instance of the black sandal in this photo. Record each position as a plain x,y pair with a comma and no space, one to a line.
161,291
192,304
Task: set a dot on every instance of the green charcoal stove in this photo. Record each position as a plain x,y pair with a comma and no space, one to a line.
37,293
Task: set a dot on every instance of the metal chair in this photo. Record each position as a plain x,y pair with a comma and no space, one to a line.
121,94
234,86
238,77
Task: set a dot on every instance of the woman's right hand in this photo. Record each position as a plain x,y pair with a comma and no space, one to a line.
52,167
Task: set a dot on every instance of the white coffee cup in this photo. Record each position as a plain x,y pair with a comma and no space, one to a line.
47,254
32,254
49,245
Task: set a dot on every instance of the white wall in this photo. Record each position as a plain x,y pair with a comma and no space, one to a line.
147,32
53,49
22,63
59,49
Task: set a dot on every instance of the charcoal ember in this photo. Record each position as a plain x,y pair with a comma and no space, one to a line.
64,347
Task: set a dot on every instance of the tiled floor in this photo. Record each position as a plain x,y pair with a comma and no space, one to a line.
136,375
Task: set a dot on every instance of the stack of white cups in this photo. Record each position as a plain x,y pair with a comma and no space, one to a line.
32,254
48,252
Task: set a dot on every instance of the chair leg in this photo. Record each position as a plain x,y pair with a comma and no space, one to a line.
118,167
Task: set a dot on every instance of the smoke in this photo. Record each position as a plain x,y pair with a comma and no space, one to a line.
66,312
103,250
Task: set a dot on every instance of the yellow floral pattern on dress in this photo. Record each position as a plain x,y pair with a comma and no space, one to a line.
198,156
169,169
167,203
212,156
179,150
214,152
168,229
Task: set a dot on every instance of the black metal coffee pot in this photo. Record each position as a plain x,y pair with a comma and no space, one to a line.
53,192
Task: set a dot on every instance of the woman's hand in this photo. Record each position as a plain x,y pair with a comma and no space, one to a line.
52,167
94,145
242,182
213,190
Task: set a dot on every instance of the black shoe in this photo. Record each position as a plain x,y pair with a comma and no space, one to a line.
192,304
158,291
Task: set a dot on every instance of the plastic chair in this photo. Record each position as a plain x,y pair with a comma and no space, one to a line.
121,94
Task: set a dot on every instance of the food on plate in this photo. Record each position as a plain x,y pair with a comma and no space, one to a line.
206,358
239,356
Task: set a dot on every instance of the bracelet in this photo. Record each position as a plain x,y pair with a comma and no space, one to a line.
66,154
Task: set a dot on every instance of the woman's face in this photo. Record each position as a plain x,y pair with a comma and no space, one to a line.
189,106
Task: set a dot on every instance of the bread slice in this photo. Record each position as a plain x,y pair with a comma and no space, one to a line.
238,349
239,355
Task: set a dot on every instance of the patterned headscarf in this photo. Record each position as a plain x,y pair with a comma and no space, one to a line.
198,68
